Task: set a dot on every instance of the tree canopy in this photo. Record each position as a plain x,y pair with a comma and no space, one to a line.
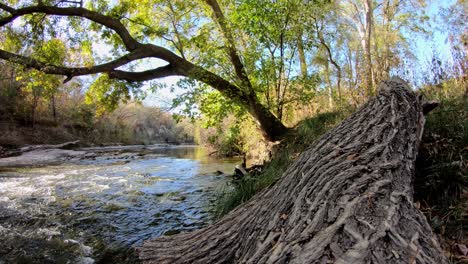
264,57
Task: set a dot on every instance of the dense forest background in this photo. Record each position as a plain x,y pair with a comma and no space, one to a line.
37,112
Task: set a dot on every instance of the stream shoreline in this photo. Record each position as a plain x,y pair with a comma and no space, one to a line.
69,152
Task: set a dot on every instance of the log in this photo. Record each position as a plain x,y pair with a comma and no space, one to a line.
66,145
347,199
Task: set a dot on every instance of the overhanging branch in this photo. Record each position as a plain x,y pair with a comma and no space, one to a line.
160,72
71,72
271,126
7,8
107,21
137,50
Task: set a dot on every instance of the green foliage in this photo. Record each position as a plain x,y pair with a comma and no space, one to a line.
272,30
107,93
227,141
215,108
265,35
204,103
83,117
12,41
37,82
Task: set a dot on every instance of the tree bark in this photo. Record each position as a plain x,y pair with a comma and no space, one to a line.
347,199
367,47
302,58
54,108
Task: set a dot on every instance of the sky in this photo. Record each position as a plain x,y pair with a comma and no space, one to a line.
423,47
163,98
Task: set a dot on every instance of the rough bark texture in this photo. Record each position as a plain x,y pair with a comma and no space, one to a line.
347,199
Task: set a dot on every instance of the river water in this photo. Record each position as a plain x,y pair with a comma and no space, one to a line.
98,208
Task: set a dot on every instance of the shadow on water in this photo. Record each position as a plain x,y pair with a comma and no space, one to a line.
97,209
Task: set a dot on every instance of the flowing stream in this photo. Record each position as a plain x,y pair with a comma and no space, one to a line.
97,208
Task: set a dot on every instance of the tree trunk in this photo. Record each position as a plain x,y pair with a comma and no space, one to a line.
347,199
329,88
271,126
54,109
302,58
367,47
34,108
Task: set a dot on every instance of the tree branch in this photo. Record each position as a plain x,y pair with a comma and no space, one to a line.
160,72
233,53
178,65
71,72
7,8
329,52
272,128
107,21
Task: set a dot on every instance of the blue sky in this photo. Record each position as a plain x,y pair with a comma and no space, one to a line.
424,47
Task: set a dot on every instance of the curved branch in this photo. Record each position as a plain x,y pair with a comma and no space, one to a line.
107,21
160,72
271,126
330,58
178,65
7,8
71,72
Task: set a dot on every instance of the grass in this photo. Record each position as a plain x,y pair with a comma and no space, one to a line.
441,180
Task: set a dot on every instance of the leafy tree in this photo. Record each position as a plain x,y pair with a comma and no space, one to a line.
40,84
196,40
259,57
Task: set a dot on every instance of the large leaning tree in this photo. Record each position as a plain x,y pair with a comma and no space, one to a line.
198,43
347,199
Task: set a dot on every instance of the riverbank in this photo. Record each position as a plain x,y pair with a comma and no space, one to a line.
129,124
41,155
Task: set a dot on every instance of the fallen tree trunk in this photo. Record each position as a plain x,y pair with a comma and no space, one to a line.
66,145
5,153
347,199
